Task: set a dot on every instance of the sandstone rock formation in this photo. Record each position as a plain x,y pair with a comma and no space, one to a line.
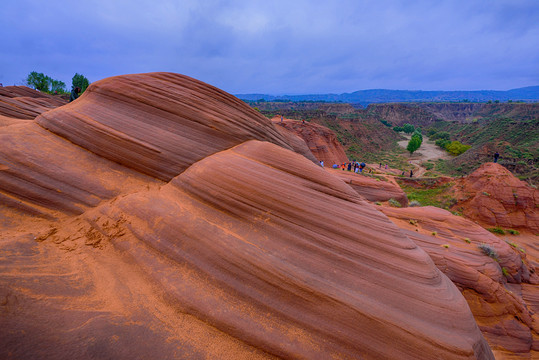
176,222
373,189
494,197
500,288
21,102
321,141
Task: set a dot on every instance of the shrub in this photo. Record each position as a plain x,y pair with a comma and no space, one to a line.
434,233
512,231
414,203
445,246
504,271
456,148
412,221
467,240
394,203
497,230
489,251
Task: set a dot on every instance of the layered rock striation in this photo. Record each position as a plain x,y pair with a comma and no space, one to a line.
179,223
493,196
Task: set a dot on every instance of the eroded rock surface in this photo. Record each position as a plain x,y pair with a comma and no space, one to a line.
21,102
321,141
493,196
180,224
501,289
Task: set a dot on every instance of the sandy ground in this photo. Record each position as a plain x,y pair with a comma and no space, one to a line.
427,151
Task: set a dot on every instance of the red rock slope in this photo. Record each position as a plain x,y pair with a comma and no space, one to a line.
499,288
321,141
21,102
493,196
158,123
249,251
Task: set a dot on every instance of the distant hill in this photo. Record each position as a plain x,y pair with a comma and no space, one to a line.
364,97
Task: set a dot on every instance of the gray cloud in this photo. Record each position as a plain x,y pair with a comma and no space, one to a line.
279,46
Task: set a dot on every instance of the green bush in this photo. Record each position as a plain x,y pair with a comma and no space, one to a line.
497,230
456,148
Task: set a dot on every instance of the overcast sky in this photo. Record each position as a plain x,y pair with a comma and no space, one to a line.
278,46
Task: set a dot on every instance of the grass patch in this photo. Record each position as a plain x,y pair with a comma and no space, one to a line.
515,246
512,231
497,230
435,196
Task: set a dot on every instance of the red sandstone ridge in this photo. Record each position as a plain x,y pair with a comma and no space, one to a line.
21,102
373,189
321,141
501,289
182,225
492,196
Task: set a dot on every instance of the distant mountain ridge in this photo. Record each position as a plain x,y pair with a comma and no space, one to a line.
528,94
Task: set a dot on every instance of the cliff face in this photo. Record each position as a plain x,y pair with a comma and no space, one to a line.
180,224
424,114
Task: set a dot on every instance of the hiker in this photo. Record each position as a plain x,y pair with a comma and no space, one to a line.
386,166
496,156
322,163
281,119
380,165
402,173
349,166
361,166
356,167
74,93
411,173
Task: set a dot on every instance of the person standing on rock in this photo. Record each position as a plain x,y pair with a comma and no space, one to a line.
281,119
411,173
496,156
74,93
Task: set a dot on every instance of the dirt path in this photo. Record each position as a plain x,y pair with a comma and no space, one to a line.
427,151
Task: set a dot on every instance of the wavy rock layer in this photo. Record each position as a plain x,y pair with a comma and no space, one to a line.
43,174
321,141
21,102
269,248
373,189
495,197
249,251
503,306
158,123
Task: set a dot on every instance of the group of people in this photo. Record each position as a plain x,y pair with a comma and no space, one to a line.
355,166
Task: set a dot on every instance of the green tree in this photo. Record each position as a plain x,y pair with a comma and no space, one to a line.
414,143
398,129
57,85
80,81
407,128
38,81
